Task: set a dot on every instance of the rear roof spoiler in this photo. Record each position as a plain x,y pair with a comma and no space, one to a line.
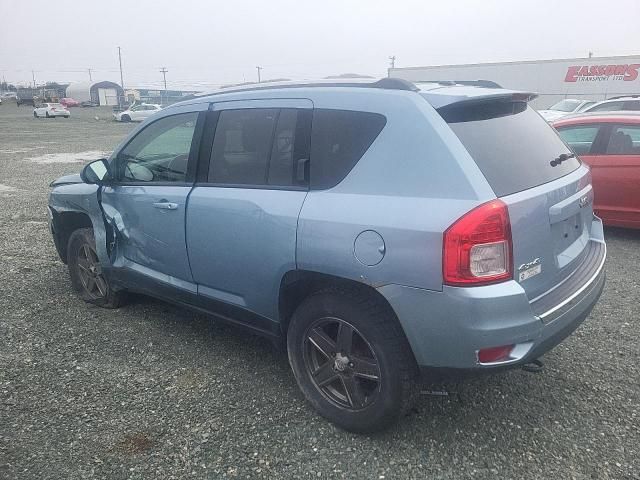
459,95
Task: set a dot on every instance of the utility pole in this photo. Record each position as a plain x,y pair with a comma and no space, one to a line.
590,54
392,60
259,79
89,70
33,76
120,61
164,72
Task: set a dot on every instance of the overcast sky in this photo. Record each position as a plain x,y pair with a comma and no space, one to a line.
214,42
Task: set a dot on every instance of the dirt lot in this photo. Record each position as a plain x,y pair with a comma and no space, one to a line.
152,391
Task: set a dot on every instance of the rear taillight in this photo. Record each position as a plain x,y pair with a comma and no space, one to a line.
477,248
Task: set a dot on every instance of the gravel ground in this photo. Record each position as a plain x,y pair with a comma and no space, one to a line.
153,391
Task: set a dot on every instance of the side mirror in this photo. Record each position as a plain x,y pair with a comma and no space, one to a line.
96,172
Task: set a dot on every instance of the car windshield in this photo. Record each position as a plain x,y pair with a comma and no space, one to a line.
565,105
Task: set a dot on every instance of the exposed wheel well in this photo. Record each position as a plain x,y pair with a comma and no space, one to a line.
297,285
64,224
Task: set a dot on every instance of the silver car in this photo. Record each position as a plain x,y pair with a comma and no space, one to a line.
381,230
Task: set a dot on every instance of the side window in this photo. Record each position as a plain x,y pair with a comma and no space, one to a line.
160,152
579,138
261,147
339,139
624,140
608,107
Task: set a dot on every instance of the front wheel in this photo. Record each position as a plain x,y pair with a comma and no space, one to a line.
125,118
47,114
35,115
86,272
351,359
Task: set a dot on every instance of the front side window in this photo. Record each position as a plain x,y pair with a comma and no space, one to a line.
580,138
624,140
160,152
565,105
260,146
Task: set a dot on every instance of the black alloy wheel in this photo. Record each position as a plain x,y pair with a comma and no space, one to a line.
341,363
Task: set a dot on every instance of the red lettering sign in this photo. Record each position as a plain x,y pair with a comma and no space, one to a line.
627,72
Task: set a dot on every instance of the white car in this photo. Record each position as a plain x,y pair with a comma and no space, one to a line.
51,110
616,104
565,107
137,113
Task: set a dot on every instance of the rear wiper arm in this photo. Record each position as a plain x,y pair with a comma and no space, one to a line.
561,158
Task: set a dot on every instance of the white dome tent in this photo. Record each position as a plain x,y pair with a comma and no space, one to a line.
102,93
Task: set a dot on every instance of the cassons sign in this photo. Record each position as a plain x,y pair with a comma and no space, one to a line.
599,73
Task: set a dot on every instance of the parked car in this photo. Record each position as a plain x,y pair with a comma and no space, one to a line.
610,144
69,102
630,102
379,229
137,113
26,97
565,107
51,110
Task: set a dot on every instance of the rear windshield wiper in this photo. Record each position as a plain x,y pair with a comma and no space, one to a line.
561,158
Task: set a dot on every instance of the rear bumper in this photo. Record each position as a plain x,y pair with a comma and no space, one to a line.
446,329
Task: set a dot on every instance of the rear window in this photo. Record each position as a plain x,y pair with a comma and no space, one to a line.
511,144
339,139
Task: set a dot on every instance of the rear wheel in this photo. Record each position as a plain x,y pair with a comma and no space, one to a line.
352,360
125,118
86,272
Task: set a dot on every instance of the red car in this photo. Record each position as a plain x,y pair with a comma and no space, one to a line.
610,144
69,102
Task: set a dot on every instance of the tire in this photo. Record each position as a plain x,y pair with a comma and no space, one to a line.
67,116
125,118
35,115
377,364
83,265
46,114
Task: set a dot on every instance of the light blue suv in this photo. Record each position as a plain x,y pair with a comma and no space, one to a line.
381,229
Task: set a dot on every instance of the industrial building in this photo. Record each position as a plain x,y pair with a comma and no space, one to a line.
102,93
594,78
155,95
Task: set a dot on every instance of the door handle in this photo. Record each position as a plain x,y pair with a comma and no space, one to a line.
166,205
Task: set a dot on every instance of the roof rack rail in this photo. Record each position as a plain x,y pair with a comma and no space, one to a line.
386,83
623,96
470,83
